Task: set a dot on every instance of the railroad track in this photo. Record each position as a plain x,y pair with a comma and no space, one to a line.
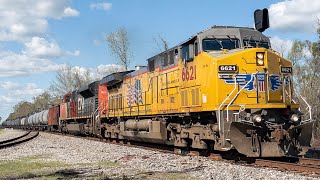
20,139
303,166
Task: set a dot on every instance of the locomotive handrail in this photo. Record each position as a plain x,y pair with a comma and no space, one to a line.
309,108
252,78
93,115
235,87
219,118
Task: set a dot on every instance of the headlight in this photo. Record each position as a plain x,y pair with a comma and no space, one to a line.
294,118
260,59
257,119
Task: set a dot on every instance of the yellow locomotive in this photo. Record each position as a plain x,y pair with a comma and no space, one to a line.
222,89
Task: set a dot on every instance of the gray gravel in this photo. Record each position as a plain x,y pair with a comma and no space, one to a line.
85,157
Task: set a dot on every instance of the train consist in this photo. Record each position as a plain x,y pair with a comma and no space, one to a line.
222,89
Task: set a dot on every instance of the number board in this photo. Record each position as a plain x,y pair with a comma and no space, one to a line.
228,68
287,70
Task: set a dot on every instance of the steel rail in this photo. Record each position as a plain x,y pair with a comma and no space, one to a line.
309,161
20,140
302,168
13,139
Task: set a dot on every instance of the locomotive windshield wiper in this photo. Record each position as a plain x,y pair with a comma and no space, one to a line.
233,41
219,42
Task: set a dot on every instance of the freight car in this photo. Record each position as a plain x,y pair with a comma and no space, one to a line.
222,89
43,120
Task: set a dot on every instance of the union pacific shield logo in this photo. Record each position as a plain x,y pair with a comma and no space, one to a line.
275,82
244,80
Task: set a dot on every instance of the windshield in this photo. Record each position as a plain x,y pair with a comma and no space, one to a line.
213,44
254,44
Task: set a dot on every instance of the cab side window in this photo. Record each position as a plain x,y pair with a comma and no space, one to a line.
151,65
185,53
189,50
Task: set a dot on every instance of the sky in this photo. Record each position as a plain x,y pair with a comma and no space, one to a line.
37,37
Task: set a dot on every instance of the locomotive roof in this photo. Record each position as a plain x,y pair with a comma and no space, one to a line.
114,78
241,33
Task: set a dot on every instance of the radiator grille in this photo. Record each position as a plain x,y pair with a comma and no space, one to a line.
195,97
184,98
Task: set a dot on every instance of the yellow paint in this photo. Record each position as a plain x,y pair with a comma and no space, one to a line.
166,91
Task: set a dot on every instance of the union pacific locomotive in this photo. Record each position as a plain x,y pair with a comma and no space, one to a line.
222,89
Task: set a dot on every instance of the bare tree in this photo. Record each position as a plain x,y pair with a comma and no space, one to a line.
69,79
281,46
296,52
118,43
161,43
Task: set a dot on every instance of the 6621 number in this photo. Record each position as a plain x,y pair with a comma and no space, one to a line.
228,68
189,73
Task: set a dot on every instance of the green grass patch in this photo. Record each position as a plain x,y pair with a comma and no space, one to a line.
27,168
33,158
107,163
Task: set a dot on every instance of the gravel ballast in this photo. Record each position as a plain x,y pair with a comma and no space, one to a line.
92,159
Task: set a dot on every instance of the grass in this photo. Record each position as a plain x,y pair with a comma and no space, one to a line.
27,167
35,167
107,163
32,158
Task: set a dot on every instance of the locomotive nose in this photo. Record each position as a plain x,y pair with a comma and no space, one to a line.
251,141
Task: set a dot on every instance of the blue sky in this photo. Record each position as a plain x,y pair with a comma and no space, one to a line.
39,36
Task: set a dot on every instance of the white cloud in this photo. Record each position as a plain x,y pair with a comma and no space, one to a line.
74,53
101,6
70,12
14,64
24,22
6,99
281,45
9,85
30,89
39,47
34,58
294,15
106,69
23,19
